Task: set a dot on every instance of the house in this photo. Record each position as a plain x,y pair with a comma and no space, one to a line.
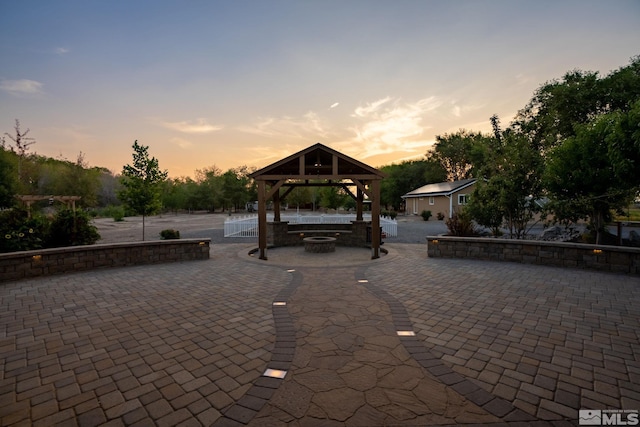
443,197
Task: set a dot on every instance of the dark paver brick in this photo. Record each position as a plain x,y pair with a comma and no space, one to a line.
80,349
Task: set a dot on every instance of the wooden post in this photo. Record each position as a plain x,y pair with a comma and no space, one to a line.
262,219
359,203
276,206
375,219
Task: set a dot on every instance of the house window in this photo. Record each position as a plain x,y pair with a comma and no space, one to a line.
432,201
463,199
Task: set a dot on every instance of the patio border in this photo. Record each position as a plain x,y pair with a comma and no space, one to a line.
25,264
614,259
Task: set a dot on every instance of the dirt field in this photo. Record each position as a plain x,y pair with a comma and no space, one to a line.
411,229
130,230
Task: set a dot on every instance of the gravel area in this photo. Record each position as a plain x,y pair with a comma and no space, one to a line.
411,229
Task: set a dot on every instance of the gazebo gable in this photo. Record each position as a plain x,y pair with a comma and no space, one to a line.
316,161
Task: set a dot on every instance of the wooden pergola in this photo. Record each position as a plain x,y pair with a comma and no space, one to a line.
316,166
28,200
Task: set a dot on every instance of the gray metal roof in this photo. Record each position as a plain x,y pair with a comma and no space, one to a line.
440,188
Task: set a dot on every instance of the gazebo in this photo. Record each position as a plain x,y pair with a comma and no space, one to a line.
318,166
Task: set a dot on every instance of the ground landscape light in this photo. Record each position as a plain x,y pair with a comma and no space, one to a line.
363,281
280,303
274,373
406,333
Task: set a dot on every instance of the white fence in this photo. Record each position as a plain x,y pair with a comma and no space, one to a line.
247,226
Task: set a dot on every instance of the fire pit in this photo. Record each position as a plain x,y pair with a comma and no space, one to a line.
319,244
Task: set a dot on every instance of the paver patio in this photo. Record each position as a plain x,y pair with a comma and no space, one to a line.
187,343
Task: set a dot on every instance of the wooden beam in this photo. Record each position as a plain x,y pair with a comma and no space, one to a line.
33,198
318,184
362,177
362,187
274,189
302,170
334,165
286,193
346,189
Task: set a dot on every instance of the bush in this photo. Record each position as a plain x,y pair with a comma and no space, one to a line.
460,224
440,216
18,232
389,214
169,234
70,228
425,215
115,212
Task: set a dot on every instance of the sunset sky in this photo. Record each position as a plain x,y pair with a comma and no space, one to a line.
231,83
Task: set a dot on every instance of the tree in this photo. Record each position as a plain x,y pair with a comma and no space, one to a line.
332,197
62,177
233,190
406,176
458,153
21,146
586,128
173,198
209,193
82,180
622,87
142,183
299,196
7,179
585,175
237,187
108,187
623,145
509,184
579,97
484,206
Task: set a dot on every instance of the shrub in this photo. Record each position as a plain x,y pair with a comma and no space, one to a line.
169,234
18,232
70,228
426,215
115,212
440,216
393,214
460,224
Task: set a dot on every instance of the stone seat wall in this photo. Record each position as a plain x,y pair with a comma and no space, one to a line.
24,264
603,258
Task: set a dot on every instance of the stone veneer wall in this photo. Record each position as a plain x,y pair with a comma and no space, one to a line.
604,258
20,265
285,234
